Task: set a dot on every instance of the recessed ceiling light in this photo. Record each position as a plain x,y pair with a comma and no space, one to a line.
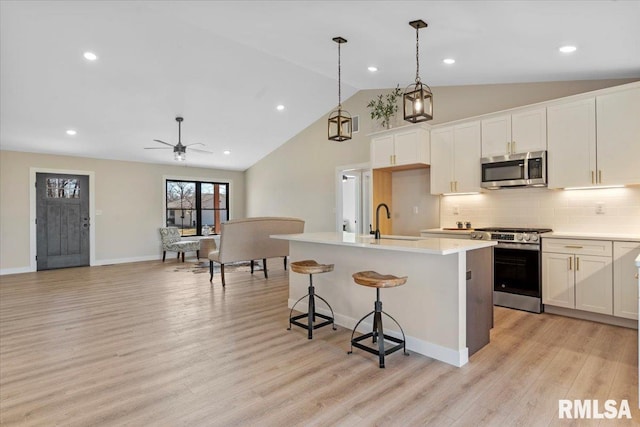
449,61
567,49
71,132
90,56
372,69
280,107
227,152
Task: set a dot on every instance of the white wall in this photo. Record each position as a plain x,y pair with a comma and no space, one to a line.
298,179
130,196
560,210
410,192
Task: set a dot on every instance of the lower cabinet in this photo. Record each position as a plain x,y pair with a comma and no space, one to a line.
625,279
572,277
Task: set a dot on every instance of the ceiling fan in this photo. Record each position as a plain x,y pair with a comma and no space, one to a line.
179,150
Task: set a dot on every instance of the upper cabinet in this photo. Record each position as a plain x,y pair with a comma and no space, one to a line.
402,149
571,159
519,132
455,159
595,141
618,137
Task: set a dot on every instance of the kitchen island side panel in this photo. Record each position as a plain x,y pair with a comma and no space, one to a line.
430,307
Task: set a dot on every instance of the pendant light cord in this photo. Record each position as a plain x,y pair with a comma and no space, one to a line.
339,85
417,56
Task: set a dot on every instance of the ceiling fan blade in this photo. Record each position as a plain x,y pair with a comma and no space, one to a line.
200,151
162,142
195,143
156,148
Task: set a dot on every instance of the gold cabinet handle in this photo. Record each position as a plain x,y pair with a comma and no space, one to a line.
513,147
600,176
593,177
390,159
508,148
577,263
570,258
573,247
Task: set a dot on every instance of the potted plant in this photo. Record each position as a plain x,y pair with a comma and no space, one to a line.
385,106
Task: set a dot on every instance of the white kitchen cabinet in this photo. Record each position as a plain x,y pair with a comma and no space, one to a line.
455,159
573,277
571,159
594,141
618,137
519,132
400,148
625,279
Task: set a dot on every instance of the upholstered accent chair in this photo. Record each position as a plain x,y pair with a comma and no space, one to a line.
172,242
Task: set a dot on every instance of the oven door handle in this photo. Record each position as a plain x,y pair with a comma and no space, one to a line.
522,246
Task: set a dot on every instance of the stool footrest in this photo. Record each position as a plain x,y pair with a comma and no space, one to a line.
294,321
356,343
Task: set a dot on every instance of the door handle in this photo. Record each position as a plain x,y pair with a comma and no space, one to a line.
570,258
600,176
577,263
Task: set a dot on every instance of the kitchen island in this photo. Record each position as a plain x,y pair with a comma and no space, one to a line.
445,308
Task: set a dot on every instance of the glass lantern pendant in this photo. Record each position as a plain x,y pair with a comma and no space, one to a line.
339,125
418,99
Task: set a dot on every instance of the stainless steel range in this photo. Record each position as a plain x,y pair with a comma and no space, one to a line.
517,263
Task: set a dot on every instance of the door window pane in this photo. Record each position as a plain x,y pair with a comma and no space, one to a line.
63,188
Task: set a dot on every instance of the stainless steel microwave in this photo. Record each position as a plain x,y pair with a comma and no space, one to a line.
515,170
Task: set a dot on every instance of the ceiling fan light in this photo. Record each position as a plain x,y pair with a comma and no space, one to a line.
180,152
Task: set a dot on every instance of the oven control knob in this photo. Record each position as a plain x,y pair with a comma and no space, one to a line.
527,237
534,237
519,236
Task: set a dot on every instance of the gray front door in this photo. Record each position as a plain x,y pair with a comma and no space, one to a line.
62,220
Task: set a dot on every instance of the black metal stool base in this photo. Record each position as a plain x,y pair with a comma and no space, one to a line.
311,314
378,336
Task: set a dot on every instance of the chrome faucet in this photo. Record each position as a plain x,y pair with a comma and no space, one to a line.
377,233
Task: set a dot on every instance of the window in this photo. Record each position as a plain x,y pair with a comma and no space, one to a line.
193,204
63,188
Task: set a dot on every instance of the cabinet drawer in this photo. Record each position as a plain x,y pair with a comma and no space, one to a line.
578,247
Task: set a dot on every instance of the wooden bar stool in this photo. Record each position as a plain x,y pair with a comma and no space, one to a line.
377,280
311,267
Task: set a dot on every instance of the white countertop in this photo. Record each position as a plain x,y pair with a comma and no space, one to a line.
593,236
433,246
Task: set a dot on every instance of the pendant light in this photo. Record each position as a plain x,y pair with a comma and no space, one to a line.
418,99
339,126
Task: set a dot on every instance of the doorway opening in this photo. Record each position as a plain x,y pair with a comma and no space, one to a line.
353,191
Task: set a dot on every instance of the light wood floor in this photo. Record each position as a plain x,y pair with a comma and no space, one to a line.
143,344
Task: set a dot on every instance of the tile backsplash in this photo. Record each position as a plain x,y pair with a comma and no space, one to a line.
613,210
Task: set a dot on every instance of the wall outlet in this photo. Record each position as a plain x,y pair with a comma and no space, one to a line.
599,208
456,210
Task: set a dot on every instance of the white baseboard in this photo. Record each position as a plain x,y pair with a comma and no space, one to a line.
435,351
594,317
19,270
127,260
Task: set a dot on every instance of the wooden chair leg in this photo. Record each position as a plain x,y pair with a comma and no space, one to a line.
164,254
285,263
264,262
252,263
210,270
177,255
182,256
222,274
198,254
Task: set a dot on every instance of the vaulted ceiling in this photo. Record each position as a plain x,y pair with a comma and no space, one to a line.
226,65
